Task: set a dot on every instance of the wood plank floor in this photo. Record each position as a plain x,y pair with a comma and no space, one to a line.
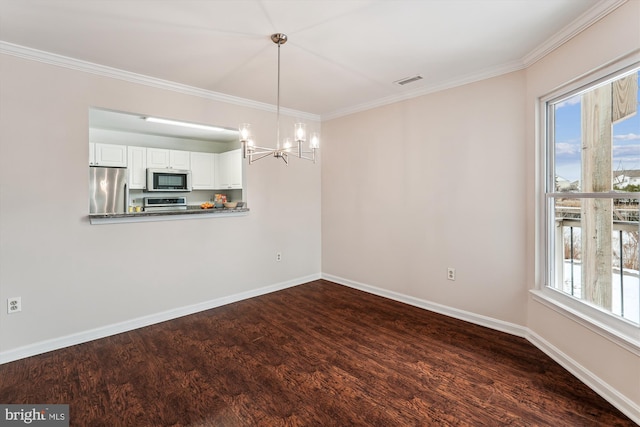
318,354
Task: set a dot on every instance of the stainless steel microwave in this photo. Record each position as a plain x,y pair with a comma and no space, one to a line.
168,180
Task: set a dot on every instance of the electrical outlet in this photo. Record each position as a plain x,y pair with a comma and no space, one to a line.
451,273
278,256
14,305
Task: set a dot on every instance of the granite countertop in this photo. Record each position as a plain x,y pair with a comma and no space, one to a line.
190,211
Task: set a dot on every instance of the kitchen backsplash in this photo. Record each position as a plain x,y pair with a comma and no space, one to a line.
195,197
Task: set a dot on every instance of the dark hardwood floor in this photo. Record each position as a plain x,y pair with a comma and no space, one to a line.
318,354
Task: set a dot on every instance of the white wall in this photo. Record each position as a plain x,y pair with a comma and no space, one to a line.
433,182
74,277
449,180
613,367
409,189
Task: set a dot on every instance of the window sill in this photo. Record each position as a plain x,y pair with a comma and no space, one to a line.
618,331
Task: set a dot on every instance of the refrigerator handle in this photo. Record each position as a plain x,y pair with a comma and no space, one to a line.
126,197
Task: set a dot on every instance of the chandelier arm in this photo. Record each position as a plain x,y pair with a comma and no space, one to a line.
259,156
312,158
297,153
283,150
258,150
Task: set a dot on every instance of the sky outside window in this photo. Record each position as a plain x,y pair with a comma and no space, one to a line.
626,140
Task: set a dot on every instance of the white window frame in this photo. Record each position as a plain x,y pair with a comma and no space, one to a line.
618,330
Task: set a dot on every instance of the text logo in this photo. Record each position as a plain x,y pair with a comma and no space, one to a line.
34,415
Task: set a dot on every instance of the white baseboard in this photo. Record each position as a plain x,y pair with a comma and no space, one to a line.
129,325
610,394
499,325
626,406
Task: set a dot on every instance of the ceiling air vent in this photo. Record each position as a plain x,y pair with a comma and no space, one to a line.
408,80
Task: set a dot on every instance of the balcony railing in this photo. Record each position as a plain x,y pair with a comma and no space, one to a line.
625,260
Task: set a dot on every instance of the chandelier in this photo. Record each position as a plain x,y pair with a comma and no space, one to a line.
286,147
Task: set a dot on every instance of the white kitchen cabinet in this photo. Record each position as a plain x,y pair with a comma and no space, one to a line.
163,158
107,155
137,165
179,159
229,170
203,171
157,158
92,153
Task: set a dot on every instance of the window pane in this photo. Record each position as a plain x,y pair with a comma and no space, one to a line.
596,138
626,152
594,146
567,146
596,253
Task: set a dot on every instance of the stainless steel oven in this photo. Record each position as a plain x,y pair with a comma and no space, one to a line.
164,204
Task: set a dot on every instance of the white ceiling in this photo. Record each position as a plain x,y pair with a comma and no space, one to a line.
342,55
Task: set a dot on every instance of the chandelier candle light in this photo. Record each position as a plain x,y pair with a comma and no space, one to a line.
283,148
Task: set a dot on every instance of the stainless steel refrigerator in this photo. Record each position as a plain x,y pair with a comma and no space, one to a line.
108,190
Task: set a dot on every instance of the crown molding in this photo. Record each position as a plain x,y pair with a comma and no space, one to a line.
593,15
584,21
425,90
115,73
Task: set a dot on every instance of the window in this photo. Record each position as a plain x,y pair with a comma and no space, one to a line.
592,194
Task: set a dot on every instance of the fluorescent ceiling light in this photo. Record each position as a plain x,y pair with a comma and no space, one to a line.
184,124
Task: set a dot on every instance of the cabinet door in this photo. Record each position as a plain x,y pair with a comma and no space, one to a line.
179,159
202,171
157,158
92,154
137,165
235,168
110,155
222,180
229,170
